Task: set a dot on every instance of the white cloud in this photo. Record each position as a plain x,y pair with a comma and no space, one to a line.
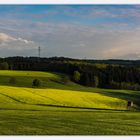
24,40
5,39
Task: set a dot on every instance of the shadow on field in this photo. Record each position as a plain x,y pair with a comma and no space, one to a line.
76,109
86,108
24,81
123,95
18,101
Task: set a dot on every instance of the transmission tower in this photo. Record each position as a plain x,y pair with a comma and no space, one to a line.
39,50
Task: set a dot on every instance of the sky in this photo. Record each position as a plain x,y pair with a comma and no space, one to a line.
86,31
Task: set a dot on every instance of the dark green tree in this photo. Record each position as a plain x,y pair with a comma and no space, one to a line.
36,83
76,76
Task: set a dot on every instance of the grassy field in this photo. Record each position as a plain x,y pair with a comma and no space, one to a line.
64,109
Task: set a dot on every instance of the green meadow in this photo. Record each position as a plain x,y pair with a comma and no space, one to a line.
57,108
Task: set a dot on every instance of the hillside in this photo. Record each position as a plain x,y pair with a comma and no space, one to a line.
54,93
114,74
58,108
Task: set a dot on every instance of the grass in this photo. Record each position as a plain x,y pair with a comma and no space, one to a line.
63,109
56,121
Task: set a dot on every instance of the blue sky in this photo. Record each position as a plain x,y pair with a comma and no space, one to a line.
67,13
98,32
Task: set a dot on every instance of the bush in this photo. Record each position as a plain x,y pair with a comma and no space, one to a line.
12,80
36,83
76,76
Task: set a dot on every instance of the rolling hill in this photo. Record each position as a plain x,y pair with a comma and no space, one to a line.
59,108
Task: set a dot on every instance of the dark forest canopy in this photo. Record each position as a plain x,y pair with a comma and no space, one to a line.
92,61
122,74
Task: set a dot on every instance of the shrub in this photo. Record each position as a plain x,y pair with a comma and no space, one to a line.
76,76
12,80
36,83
